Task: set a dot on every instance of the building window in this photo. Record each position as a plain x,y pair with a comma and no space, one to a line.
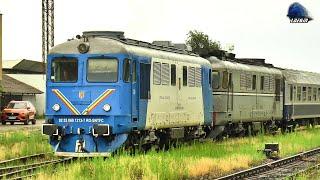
173,74
165,74
156,73
185,75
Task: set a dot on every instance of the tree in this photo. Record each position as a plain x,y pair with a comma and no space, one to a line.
201,43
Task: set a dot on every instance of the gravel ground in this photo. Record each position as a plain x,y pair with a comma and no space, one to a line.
21,126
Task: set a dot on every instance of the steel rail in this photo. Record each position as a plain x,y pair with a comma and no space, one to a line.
31,168
23,158
270,166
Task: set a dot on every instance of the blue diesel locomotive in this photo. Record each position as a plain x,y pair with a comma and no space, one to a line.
105,92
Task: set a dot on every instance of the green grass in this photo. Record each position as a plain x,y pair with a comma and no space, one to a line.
19,143
187,161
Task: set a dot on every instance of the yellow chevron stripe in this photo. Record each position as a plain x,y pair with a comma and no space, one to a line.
95,103
66,101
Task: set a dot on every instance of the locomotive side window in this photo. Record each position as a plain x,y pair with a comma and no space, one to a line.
145,81
277,88
134,71
318,94
210,80
254,82
215,79
243,81
64,70
185,75
294,92
173,74
262,83
102,70
126,70
225,80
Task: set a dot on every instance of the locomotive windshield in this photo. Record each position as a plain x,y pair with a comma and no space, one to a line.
102,70
64,70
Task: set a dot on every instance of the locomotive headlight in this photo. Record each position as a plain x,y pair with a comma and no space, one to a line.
106,107
56,107
83,48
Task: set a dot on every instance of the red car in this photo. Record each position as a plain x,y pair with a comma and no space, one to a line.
19,111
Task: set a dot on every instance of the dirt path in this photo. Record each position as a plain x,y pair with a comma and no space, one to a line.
20,126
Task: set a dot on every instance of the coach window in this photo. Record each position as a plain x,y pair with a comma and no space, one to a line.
126,70
215,79
173,74
299,93
291,92
262,83
309,93
102,70
314,91
64,70
254,82
185,75
225,79
304,93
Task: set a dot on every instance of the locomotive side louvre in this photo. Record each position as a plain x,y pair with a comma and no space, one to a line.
302,96
175,104
245,94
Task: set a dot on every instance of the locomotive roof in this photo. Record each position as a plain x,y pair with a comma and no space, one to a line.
233,65
301,77
103,45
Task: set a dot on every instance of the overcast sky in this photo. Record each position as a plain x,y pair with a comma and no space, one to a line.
258,29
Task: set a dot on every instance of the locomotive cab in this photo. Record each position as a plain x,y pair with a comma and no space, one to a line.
91,102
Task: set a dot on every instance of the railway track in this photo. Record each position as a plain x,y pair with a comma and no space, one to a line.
24,170
280,169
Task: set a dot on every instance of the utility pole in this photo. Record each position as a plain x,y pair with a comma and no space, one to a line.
47,28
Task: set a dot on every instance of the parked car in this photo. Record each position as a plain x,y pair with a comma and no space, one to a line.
19,111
